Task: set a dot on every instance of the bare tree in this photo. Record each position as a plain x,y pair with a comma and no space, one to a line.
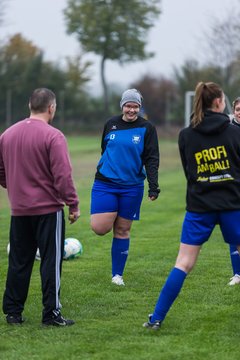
224,40
223,46
2,10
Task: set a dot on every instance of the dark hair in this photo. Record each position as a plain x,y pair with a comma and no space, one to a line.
40,100
235,102
205,93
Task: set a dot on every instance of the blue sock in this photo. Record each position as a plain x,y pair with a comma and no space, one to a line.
119,255
235,259
168,294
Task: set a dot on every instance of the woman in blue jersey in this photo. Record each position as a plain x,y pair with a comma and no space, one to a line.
234,255
210,154
130,153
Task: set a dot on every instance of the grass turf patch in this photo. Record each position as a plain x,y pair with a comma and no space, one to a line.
203,322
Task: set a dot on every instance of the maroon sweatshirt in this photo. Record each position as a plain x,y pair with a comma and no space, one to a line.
35,168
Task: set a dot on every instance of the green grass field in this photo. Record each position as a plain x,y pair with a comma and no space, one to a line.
202,324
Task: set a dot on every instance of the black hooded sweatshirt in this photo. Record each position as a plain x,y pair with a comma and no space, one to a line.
210,154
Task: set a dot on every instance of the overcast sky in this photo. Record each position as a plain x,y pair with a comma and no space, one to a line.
177,35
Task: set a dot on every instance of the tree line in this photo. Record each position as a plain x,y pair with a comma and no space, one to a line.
23,67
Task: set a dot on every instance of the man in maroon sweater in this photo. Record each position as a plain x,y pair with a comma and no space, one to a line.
36,171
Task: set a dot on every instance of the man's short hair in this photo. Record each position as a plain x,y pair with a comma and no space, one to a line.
40,100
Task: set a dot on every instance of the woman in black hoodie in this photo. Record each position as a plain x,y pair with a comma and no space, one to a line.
210,154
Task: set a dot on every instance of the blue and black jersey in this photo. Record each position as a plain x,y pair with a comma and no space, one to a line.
130,153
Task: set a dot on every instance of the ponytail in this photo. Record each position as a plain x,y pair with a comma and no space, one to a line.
205,93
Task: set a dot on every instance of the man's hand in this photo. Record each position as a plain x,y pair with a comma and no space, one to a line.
73,216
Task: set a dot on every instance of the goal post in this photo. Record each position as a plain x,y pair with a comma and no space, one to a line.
189,95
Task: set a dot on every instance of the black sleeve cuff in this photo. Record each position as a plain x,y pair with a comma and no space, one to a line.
154,193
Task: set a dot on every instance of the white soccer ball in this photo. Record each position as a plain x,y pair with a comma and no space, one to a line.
72,248
37,256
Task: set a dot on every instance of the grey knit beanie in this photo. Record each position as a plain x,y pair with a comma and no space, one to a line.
131,95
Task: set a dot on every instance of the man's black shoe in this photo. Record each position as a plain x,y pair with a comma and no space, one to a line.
14,319
58,321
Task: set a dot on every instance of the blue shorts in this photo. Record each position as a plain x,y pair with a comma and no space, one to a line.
109,197
197,227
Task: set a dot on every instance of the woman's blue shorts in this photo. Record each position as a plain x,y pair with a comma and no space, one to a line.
197,227
109,197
